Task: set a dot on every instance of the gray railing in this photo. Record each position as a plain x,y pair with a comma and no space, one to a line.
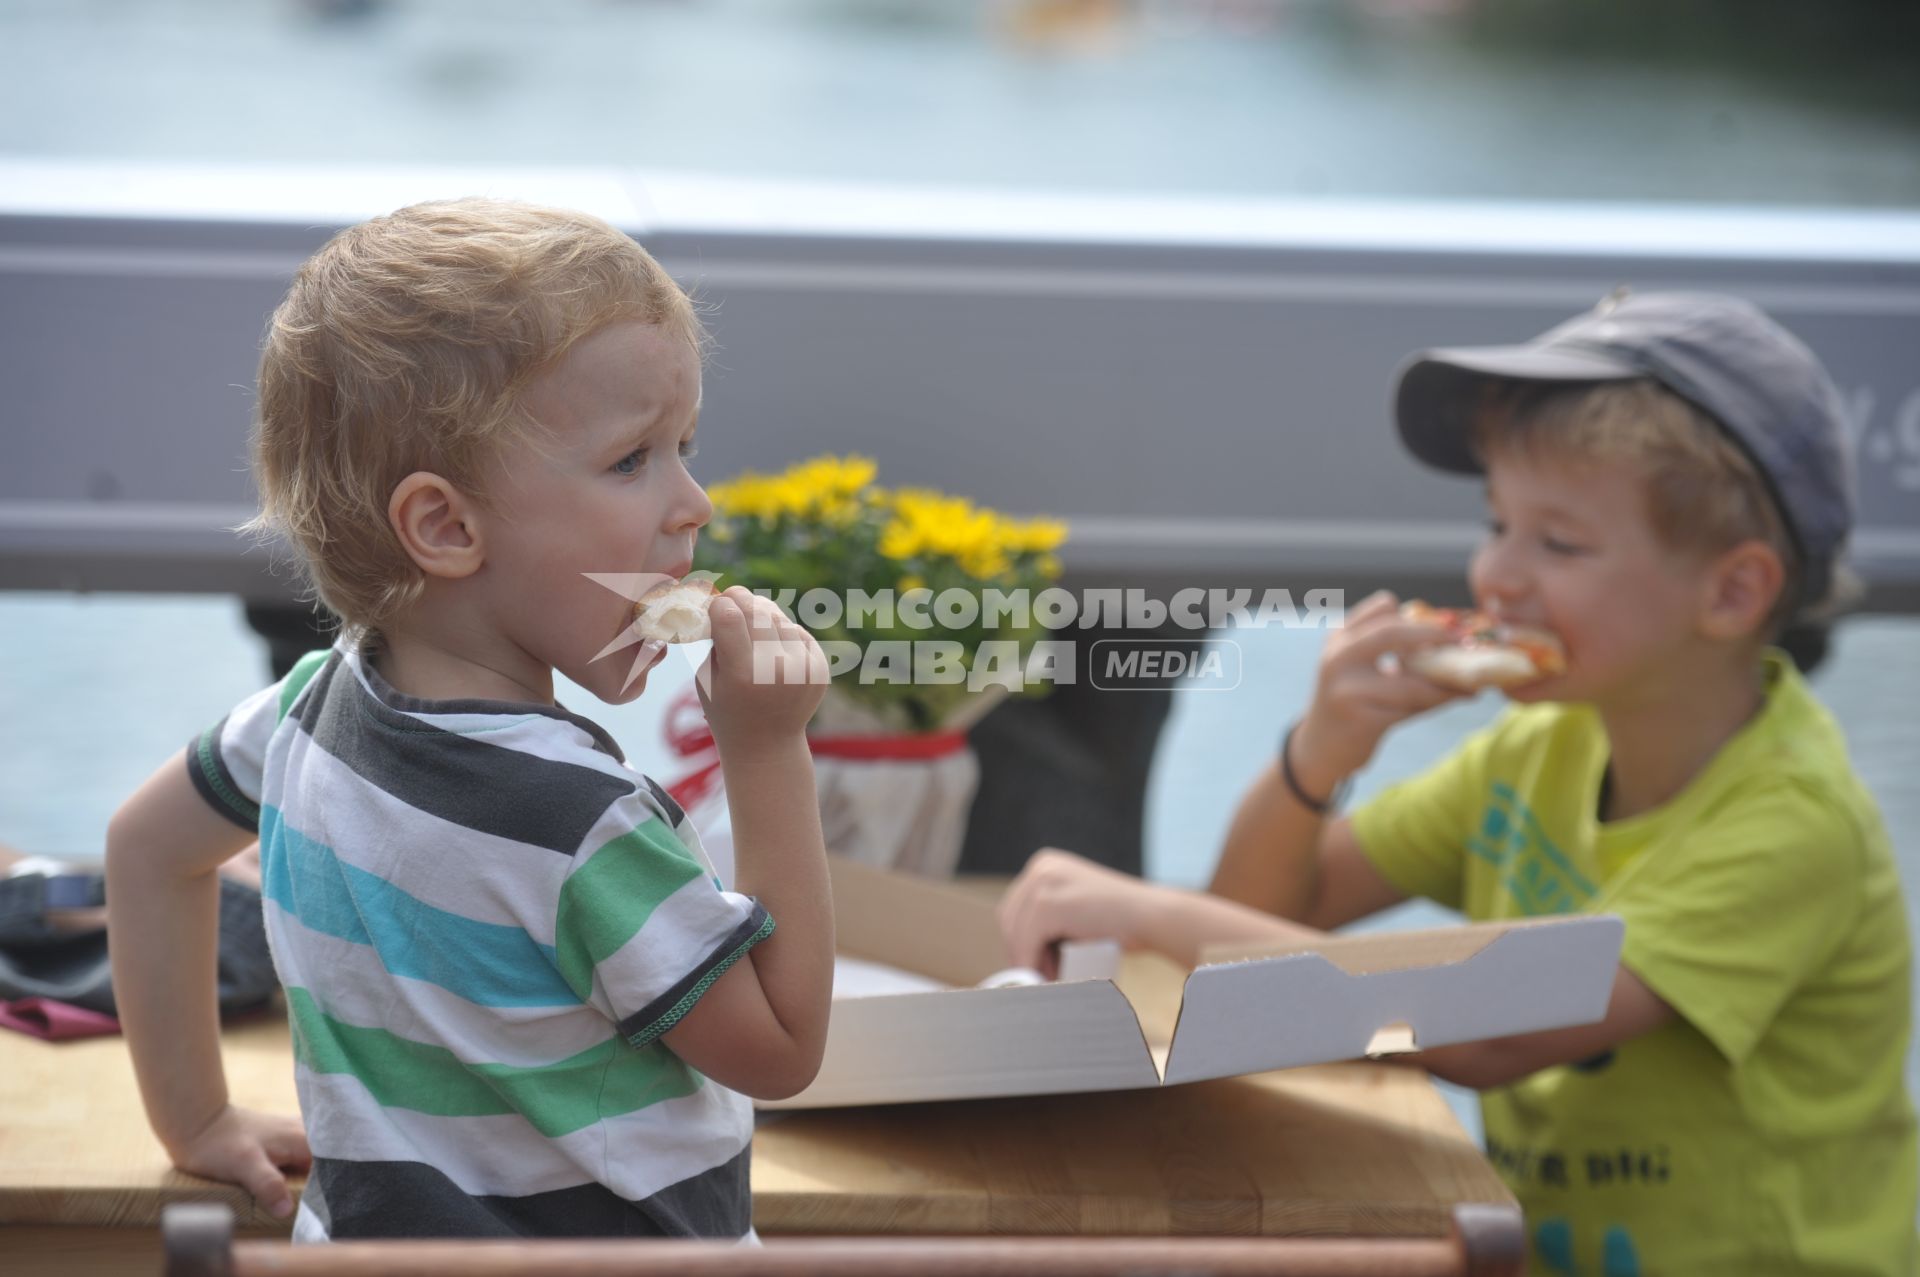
1200,386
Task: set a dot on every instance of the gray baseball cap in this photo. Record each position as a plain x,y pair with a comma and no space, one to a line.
1722,354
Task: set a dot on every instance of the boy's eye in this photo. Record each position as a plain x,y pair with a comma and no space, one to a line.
1554,546
689,450
1495,527
631,463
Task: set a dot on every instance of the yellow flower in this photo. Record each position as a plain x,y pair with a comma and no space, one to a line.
1034,535
750,496
900,540
825,487
828,498
984,562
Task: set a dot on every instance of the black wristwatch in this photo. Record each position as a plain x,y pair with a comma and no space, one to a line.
1318,806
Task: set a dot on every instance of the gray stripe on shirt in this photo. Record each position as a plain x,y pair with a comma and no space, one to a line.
461,779
412,1199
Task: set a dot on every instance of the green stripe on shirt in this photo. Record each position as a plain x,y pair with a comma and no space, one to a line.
297,679
568,1095
606,901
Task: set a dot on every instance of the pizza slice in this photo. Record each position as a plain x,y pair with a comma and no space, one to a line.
675,611
1482,650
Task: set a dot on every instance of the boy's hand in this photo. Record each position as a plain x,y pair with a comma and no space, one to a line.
1355,701
240,1146
1061,896
765,675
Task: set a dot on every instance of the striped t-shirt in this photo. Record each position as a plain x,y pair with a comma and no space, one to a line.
484,921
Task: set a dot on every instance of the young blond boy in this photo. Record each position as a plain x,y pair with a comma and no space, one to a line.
1667,485
521,1001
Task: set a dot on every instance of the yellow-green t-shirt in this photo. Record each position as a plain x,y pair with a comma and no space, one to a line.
1768,1128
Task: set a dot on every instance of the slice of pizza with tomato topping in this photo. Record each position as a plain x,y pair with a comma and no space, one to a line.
1482,650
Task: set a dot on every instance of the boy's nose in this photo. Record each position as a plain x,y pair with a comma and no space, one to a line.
1497,582
692,508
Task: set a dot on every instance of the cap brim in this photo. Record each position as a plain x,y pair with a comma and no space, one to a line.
1440,389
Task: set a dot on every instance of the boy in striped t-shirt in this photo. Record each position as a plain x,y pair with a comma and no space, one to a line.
521,1000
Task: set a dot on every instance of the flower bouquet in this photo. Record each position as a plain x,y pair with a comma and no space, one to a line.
922,602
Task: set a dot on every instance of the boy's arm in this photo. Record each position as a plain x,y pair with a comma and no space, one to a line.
1061,896
1634,1009
1284,859
164,847
762,1028
1281,855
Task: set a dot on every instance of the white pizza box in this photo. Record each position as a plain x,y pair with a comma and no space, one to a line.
1344,998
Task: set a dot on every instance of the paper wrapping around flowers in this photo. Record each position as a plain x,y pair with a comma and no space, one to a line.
905,814
909,815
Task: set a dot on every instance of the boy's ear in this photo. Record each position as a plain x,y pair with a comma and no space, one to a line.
1741,590
435,523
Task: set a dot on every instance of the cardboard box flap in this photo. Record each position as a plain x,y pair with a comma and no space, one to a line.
963,1044
1460,985
1378,950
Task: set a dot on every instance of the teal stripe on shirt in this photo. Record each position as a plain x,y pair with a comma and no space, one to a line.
486,963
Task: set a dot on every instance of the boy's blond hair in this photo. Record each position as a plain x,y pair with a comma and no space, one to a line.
403,345
1703,493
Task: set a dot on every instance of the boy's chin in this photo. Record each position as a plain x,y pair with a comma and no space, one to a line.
619,676
618,685
1552,688
615,695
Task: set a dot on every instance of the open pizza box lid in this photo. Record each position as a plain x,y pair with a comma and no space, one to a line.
1241,1011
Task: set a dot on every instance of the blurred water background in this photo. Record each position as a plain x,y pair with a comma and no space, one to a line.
1733,101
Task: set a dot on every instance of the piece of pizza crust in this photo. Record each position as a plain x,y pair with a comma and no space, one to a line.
1484,651
1468,669
675,611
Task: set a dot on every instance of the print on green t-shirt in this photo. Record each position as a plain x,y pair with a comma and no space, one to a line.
1538,875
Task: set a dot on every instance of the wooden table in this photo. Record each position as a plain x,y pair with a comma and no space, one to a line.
1346,1150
